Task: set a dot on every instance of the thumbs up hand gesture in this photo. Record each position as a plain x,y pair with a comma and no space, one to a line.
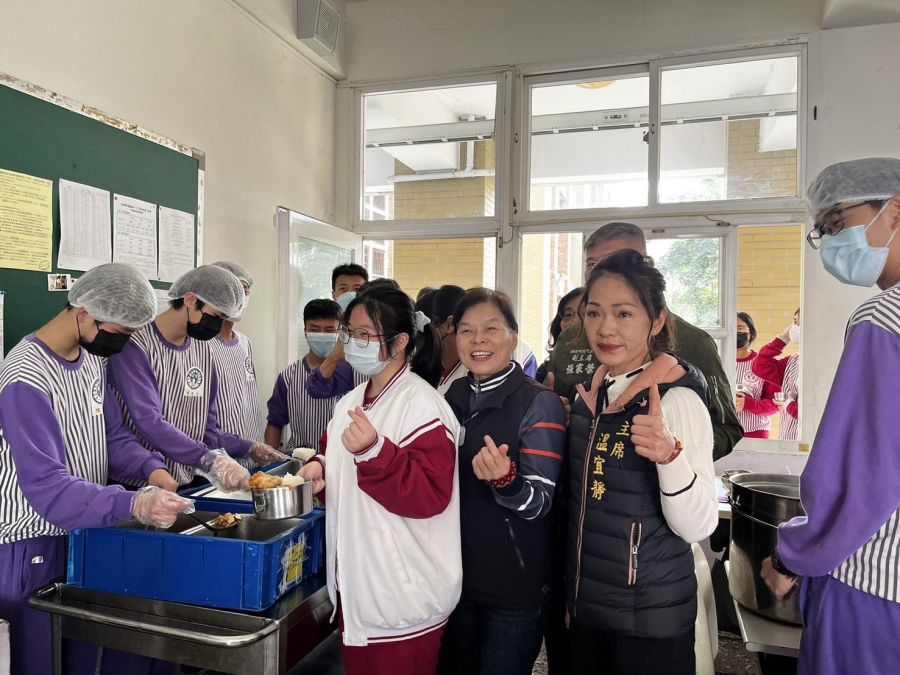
360,435
649,433
491,462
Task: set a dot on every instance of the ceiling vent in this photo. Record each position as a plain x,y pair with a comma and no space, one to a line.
318,26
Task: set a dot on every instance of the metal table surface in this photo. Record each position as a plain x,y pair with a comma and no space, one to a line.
227,641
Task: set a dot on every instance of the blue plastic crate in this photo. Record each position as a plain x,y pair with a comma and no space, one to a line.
224,572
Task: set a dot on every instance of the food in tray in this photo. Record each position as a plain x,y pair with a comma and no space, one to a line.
304,454
289,480
226,520
263,481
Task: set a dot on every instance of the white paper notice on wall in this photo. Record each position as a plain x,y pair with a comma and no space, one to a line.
85,239
134,224
176,243
162,300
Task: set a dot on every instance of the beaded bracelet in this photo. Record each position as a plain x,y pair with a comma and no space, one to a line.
510,476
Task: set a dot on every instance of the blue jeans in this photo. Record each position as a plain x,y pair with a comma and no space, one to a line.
487,640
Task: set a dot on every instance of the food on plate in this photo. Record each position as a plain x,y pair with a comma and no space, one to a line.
226,520
263,481
303,453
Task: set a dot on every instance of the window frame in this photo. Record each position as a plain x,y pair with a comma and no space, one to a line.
655,67
434,227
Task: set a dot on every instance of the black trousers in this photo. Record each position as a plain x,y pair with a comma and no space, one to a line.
597,652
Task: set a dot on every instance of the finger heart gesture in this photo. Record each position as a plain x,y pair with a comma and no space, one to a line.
491,462
360,435
649,432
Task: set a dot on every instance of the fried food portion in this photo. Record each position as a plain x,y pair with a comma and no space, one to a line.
226,520
263,481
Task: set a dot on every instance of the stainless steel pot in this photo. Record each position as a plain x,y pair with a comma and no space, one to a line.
760,502
283,502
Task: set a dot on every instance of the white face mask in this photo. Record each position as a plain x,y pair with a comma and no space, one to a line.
794,333
365,360
345,299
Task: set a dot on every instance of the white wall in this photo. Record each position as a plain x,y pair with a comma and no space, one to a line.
399,38
855,92
206,75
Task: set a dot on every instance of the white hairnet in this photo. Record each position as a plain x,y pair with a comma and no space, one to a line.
115,293
243,275
858,180
213,285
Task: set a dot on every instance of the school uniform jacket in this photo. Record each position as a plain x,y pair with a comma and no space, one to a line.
392,532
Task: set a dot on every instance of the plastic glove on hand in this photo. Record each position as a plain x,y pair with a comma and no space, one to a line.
223,472
154,506
264,454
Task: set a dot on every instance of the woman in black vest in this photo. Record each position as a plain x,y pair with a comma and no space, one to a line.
641,485
513,440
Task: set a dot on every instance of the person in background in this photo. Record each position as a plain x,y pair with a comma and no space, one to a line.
755,399
168,388
566,317
510,458
641,485
439,306
425,290
61,433
391,482
232,353
783,373
845,548
333,377
573,360
290,403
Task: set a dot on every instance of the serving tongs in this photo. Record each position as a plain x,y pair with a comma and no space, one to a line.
214,528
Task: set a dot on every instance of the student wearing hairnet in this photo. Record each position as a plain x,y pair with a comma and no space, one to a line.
239,410
61,433
846,548
168,388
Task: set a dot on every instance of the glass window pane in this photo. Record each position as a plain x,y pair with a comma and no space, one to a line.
417,263
314,260
429,153
551,266
691,267
588,147
729,131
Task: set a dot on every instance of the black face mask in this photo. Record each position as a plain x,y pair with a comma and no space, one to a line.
106,344
743,339
207,328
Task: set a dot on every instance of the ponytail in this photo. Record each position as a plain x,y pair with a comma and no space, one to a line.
426,359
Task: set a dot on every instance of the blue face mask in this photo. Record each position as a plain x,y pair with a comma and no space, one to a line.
345,300
850,258
365,360
321,344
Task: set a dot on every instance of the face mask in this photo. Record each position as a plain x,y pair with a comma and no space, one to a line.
850,258
365,360
794,333
743,339
105,344
321,344
345,300
207,328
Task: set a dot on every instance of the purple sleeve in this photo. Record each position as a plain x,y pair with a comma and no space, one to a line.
39,454
131,375
278,409
849,487
530,366
214,437
127,457
337,385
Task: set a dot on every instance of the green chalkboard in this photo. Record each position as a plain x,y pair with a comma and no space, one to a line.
43,139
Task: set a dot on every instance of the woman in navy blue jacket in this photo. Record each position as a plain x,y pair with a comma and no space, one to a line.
513,442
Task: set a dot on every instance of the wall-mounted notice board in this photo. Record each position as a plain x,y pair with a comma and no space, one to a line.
48,137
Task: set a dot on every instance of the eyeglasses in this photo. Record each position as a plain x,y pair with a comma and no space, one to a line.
831,222
360,339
